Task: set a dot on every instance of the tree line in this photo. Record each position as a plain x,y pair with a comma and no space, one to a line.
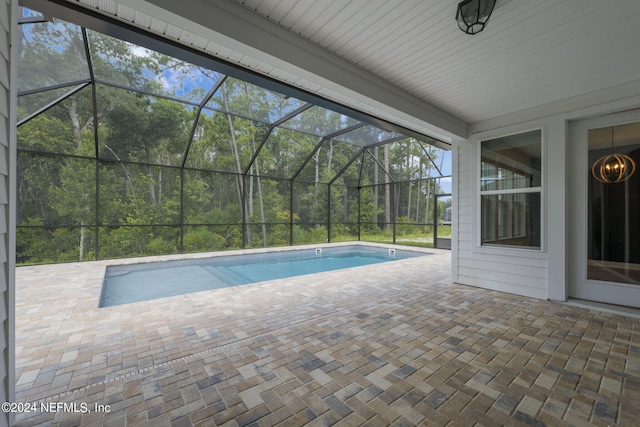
144,154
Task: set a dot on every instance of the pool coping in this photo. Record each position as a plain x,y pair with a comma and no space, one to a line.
92,292
68,343
112,296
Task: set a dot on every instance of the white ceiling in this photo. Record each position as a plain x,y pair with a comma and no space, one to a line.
407,61
532,52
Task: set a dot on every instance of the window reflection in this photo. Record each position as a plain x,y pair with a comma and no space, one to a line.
510,188
614,209
511,219
511,162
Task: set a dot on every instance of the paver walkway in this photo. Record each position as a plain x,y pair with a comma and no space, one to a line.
389,344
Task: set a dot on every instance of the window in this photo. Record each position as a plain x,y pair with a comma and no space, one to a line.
510,190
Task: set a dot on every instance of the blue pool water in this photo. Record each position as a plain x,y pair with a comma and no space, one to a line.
141,282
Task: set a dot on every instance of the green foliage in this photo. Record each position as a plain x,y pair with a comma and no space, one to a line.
46,245
144,171
203,240
302,236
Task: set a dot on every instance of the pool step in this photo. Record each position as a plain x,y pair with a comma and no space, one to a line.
226,275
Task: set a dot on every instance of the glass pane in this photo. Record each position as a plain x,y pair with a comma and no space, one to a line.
143,128
212,238
352,175
25,12
132,194
304,234
368,209
511,219
344,210
126,64
223,142
53,245
442,229
406,194
66,128
319,121
51,54
444,214
443,185
344,232
268,205
265,235
366,135
511,162
269,199
408,159
134,241
415,200
414,235
372,172
328,161
441,159
310,204
383,207
29,104
252,102
284,152
211,198
614,209
55,190
376,232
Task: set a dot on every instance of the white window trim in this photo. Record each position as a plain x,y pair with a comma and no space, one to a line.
476,193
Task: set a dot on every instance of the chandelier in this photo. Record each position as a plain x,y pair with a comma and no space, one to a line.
614,167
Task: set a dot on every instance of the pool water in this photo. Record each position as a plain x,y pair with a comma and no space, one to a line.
141,282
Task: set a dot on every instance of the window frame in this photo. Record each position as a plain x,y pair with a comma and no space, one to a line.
482,193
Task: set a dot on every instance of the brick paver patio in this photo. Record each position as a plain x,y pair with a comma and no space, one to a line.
389,344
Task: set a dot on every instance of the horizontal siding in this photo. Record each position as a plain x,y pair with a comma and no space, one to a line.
530,269
8,15
505,276
514,272
515,257
464,237
509,287
465,193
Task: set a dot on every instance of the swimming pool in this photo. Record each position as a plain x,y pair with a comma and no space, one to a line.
125,284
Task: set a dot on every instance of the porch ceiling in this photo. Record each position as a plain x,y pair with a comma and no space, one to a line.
407,61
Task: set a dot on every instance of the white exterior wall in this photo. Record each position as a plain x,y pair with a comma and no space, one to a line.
8,16
540,274
528,272
518,271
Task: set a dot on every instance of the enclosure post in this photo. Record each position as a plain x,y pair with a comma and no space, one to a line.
182,210
291,213
435,219
359,212
96,141
243,207
328,213
394,214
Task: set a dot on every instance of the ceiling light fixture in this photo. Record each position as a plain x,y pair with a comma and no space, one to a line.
472,15
614,167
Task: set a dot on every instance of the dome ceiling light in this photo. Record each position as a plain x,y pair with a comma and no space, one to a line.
473,15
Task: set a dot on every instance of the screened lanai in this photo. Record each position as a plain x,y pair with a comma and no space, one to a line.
142,149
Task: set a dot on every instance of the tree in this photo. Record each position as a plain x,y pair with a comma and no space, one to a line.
106,163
